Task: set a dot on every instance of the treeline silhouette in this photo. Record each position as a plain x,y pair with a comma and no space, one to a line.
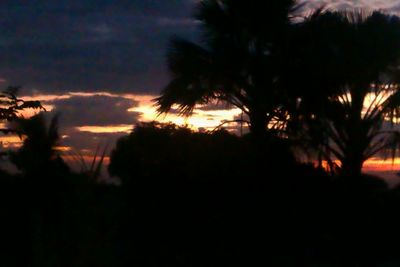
197,199
191,198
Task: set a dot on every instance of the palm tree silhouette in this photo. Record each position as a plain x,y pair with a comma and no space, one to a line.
44,172
238,60
38,153
353,94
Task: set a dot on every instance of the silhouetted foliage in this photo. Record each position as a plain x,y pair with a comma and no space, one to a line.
92,169
38,153
346,81
239,60
11,106
205,199
10,109
154,149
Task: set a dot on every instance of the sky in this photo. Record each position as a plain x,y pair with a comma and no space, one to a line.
118,46
99,63
90,45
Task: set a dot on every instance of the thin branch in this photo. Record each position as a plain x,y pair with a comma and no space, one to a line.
230,121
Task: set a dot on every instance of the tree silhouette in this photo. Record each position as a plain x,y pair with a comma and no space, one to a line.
153,150
347,81
238,62
11,106
38,154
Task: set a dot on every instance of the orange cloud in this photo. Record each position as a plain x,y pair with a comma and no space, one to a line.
106,129
10,141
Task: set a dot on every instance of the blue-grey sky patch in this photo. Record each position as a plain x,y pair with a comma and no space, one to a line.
65,45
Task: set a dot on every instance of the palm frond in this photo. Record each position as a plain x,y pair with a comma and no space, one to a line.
193,78
92,170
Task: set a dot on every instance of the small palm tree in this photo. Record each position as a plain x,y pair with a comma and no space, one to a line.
238,62
38,153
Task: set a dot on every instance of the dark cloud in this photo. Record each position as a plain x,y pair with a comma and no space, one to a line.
96,110
91,110
90,44
386,5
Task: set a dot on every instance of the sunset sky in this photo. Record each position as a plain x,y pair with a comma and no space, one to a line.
99,63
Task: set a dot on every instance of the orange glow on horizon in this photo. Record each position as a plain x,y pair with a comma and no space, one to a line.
377,164
10,141
106,129
374,165
201,119
207,119
63,148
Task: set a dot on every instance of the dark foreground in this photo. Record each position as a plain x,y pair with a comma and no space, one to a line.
307,220
198,202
